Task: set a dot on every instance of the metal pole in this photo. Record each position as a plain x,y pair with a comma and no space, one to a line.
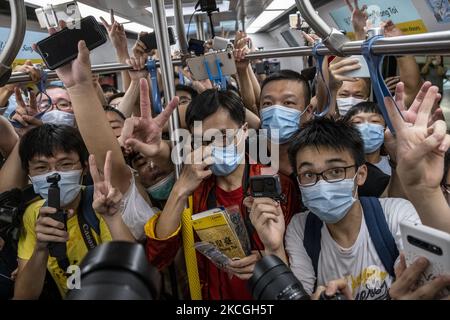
242,15
332,38
166,66
179,24
428,43
200,27
16,36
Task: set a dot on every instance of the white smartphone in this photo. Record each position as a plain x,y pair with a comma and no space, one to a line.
50,15
198,68
432,244
363,72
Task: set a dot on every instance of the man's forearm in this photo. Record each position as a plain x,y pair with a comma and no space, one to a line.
12,174
118,229
410,76
280,253
130,99
97,133
431,206
255,84
170,218
5,93
247,92
30,280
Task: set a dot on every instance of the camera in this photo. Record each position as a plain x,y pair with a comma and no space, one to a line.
117,271
273,280
266,187
207,6
10,217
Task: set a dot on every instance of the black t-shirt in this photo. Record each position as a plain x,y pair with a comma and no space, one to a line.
376,183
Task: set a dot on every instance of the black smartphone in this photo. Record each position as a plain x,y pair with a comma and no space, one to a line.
197,46
266,187
62,47
150,40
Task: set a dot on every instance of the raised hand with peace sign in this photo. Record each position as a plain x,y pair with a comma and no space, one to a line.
359,19
144,134
107,199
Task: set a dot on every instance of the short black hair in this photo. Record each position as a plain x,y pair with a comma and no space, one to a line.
115,96
190,90
334,134
291,76
207,104
363,107
112,109
48,139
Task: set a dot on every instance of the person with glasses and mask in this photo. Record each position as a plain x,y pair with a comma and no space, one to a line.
328,159
216,173
52,106
44,151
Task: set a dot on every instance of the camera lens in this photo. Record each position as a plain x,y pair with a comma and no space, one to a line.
117,271
273,280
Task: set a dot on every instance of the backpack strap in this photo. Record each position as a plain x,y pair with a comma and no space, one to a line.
379,233
87,218
311,240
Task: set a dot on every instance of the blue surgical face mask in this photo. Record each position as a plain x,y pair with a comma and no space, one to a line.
163,188
285,120
69,185
59,117
330,202
373,136
226,159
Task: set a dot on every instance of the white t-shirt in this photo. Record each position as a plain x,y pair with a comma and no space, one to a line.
384,166
360,264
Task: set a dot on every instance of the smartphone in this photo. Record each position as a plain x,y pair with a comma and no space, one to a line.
266,187
220,43
363,72
198,68
50,15
62,47
150,40
433,244
197,46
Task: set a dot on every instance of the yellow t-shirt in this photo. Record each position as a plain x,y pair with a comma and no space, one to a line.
76,247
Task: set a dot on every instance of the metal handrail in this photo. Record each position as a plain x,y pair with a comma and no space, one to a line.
333,39
16,35
427,43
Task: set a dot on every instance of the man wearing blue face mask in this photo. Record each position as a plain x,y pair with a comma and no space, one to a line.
343,235
93,214
285,98
220,178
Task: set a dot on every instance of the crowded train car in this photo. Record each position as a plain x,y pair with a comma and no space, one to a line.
182,150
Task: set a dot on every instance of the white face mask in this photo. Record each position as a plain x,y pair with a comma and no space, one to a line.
59,118
345,104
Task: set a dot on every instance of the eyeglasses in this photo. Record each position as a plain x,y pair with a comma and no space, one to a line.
334,175
61,104
64,166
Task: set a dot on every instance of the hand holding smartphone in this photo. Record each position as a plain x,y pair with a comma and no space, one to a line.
61,47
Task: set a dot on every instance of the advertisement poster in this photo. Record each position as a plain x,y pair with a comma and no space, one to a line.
441,10
402,12
26,52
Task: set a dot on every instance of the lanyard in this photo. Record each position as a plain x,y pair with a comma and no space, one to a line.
320,59
156,96
218,79
381,91
181,77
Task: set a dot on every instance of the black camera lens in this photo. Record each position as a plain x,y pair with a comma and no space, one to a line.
117,271
273,280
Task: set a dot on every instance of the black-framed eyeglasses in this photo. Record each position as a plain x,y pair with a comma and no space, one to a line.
333,175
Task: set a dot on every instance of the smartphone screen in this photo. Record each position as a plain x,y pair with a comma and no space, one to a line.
62,47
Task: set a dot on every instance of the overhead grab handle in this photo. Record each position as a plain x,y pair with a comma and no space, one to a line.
15,39
333,39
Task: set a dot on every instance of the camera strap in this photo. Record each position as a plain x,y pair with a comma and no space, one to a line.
85,209
381,91
156,95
